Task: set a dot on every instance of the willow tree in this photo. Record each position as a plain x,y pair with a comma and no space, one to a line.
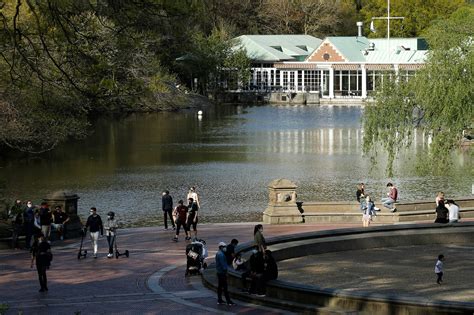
438,100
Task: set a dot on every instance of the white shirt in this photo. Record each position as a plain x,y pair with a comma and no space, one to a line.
453,212
439,266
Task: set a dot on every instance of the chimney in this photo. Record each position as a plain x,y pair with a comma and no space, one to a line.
359,28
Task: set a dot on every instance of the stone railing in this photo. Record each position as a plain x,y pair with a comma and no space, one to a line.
283,207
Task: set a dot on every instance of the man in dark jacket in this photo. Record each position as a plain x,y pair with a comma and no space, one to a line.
16,216
29,223
94,223
167,206
46,218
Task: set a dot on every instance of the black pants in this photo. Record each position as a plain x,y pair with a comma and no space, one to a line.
180,224
440,277
166,214
111,241
16,230
29,230
222,286
42,276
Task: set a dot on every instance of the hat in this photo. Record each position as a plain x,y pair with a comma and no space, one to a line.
222,244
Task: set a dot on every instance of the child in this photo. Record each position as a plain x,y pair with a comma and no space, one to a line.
439,269
368,212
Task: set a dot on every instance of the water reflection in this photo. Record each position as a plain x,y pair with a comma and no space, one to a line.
231,153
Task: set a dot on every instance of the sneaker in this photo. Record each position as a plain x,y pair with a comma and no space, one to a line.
230,303
165,229
110,255
261,295
175,239
187,238
95,255
220,303
393,210
376,209
174,228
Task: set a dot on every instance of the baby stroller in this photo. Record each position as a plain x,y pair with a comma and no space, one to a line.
196,253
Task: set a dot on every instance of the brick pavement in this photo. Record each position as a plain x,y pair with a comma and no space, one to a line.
151,281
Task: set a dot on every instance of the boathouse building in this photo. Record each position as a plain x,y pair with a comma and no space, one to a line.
301,66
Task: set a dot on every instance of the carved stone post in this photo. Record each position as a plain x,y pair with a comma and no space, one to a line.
282,207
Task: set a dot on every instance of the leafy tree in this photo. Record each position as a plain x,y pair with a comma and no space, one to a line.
437,101
418,15
61,60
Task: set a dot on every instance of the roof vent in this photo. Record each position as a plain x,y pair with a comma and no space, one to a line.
277,48
303,47
371,46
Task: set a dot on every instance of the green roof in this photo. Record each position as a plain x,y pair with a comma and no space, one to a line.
272,48
351,47
395,50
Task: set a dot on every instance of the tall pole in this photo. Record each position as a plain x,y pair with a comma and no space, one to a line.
388,25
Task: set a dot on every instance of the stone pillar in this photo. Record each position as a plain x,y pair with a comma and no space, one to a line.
282,207
68,201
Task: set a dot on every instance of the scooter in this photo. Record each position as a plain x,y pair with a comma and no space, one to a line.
82,253
117,253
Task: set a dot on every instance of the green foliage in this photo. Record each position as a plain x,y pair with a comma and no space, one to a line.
3,308
418,14
438,101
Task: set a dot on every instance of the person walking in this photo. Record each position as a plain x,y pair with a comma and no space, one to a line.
192,219
46,218
110,227
29,223
179,215
441,213
41,253
392,196
259,239
221,269
167,206
439,268
94,223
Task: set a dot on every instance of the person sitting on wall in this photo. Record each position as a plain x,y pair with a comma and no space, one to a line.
60,219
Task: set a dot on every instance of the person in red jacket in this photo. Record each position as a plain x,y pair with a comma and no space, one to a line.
392,196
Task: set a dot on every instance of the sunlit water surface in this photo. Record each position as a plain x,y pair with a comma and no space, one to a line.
230,155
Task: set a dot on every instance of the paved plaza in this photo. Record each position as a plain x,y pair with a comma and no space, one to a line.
403,270
151,280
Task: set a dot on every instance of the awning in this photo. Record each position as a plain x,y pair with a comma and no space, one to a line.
342,66
410,66
294,65
379,67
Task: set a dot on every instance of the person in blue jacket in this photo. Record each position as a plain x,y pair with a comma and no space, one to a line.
221,268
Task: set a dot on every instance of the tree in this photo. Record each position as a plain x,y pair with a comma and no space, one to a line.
418,15
439,100
62,60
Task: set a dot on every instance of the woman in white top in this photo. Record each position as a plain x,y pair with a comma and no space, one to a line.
453,209
193,194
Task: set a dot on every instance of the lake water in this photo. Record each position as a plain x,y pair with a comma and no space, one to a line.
230,155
